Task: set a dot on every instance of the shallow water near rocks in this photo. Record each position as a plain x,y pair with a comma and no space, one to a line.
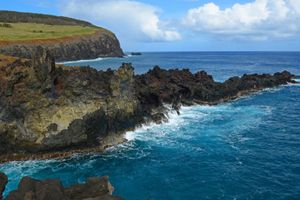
246,149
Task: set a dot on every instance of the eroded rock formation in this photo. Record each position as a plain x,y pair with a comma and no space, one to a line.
52,108
43,106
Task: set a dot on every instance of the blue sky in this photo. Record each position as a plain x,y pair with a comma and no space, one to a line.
184,25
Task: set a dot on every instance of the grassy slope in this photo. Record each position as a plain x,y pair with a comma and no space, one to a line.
33,31
23,17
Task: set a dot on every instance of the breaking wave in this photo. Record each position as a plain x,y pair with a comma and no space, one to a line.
206,150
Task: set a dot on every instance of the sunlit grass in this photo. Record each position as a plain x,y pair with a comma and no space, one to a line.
33,31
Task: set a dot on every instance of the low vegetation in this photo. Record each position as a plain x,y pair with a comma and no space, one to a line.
22,17
34,31
6,25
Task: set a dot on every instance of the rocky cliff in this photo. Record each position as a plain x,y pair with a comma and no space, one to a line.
49,110
44,106
32,189
100,43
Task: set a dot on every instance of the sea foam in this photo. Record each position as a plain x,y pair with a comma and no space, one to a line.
81,61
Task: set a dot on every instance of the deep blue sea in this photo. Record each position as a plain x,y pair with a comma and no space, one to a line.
243,150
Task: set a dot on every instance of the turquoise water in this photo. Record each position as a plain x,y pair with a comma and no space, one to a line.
246,149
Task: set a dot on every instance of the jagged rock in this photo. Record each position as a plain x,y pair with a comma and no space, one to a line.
43,64
51,108
3,182
122,84
52,189
181,86
32,189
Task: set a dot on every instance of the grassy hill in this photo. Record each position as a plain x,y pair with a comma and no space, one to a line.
65,38
20,26
14,17
34,31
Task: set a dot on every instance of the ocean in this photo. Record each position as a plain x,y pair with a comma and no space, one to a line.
245,149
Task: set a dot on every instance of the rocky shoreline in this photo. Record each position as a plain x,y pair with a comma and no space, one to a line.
53,111
31,189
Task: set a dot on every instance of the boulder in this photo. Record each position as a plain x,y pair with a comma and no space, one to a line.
52,189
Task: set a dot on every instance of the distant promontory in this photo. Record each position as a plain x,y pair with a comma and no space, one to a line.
66,38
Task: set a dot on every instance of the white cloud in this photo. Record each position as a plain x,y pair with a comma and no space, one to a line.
258,20
131,19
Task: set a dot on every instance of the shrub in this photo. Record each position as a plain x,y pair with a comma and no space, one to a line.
6,25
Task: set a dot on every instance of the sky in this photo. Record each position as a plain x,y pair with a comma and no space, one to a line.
184,25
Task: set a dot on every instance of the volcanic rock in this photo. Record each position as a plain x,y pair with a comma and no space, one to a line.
49,110
52,189
3,182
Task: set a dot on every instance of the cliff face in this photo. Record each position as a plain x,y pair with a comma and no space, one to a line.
99,44
51,108
43,106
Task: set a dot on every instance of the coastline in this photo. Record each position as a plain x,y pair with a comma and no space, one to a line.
61,154
117,139
87,113
82,110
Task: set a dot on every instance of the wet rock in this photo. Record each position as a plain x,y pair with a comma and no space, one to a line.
35,189
52,189
3,182
93,188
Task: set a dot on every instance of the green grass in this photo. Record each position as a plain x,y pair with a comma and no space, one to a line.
32,31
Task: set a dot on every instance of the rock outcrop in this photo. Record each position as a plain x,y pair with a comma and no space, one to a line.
49,110
3,182
183,87
32,189
43,106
